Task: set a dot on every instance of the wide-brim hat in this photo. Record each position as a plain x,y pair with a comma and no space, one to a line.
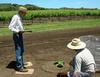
22,9
76,44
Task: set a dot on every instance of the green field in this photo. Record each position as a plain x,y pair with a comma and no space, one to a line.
89,23
6,15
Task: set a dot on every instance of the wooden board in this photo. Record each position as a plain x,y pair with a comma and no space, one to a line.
30,71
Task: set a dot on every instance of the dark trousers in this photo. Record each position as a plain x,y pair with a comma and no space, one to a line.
19,49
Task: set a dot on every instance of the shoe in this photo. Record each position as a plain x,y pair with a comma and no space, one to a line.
25,67
22,70
62,74
97,71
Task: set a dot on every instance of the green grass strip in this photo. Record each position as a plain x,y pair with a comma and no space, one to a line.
72,24
65,25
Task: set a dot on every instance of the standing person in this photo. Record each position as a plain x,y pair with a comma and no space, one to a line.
16,27
83,64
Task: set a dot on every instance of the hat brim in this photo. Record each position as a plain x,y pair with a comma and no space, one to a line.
81,46
22,9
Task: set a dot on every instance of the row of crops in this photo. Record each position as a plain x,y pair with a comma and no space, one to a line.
7,15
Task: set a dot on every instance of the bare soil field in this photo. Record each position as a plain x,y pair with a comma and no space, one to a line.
42,49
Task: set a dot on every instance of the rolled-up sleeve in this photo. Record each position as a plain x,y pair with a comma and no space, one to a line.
13,24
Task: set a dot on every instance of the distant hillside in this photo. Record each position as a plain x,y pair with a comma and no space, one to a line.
13,7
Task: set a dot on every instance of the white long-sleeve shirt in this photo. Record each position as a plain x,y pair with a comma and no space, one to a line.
16,24
84,61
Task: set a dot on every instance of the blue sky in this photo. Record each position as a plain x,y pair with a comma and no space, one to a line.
58,3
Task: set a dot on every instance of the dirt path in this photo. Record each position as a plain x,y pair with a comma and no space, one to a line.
41,48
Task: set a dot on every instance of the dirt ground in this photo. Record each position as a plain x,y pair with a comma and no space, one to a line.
42,49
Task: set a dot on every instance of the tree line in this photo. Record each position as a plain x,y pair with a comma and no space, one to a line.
14,7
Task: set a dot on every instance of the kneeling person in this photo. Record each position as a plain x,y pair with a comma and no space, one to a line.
83,64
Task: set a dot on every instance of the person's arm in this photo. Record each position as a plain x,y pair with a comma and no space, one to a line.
12,25
77,66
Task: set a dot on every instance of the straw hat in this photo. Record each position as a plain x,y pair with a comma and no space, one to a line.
22,9
76,43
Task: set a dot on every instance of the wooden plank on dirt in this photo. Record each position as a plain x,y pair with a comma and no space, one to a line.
30,71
